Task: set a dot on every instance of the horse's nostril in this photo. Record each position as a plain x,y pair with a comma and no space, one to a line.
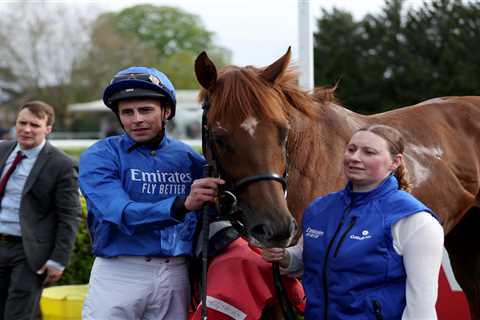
260,231
274,232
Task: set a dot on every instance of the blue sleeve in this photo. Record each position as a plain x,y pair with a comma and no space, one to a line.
198,163
107,200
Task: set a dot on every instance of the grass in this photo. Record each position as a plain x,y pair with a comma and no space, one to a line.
74,152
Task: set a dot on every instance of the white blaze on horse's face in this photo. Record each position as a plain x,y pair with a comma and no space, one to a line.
249,125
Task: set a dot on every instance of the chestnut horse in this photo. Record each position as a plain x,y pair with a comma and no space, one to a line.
261,122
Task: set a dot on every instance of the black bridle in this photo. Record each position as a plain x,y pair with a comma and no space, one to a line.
231,188
228,209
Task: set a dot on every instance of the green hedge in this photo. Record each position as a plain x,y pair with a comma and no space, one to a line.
81,259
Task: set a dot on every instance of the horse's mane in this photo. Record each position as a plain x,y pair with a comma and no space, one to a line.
239,91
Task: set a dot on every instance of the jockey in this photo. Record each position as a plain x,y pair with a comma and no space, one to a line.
142,190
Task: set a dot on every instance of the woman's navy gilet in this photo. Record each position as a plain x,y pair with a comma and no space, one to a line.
352,270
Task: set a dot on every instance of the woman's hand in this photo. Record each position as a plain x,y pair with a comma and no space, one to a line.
279,255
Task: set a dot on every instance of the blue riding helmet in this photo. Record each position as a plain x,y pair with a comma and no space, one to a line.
140,82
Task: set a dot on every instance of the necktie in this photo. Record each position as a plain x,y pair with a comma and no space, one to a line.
3,182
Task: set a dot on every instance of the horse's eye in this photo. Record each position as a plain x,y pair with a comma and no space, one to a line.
219,140
222,143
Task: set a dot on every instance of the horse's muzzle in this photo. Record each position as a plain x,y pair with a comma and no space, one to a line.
273,233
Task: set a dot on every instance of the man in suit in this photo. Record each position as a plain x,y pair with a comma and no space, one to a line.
39,212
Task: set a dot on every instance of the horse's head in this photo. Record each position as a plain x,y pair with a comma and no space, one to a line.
248,136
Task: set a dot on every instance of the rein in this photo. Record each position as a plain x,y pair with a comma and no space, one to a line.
227,203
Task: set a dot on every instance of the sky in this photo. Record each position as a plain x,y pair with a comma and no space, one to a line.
256,31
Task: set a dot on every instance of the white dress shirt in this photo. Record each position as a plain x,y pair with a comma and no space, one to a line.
10,203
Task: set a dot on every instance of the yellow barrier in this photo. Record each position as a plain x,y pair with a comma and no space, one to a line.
63,302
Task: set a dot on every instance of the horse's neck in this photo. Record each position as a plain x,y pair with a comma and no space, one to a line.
316,154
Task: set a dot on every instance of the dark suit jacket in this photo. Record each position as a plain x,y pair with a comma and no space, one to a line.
50,210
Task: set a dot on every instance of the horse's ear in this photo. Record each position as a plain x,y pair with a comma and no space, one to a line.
205,70
272,72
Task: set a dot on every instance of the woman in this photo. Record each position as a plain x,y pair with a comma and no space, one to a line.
371,250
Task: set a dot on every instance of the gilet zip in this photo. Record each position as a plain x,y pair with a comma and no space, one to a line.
344,235
377,309
324,277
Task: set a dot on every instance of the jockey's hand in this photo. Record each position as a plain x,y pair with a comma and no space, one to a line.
202,190
279,255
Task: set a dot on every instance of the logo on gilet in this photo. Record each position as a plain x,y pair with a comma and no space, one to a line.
313,233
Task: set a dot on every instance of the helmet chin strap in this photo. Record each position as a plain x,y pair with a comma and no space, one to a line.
164,120
155,141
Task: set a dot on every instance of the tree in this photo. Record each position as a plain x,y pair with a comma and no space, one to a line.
444,39
400,57
37,55
337,51
64,54
163,37
108,52
169,30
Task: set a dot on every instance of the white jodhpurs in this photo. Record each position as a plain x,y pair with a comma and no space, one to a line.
137,288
